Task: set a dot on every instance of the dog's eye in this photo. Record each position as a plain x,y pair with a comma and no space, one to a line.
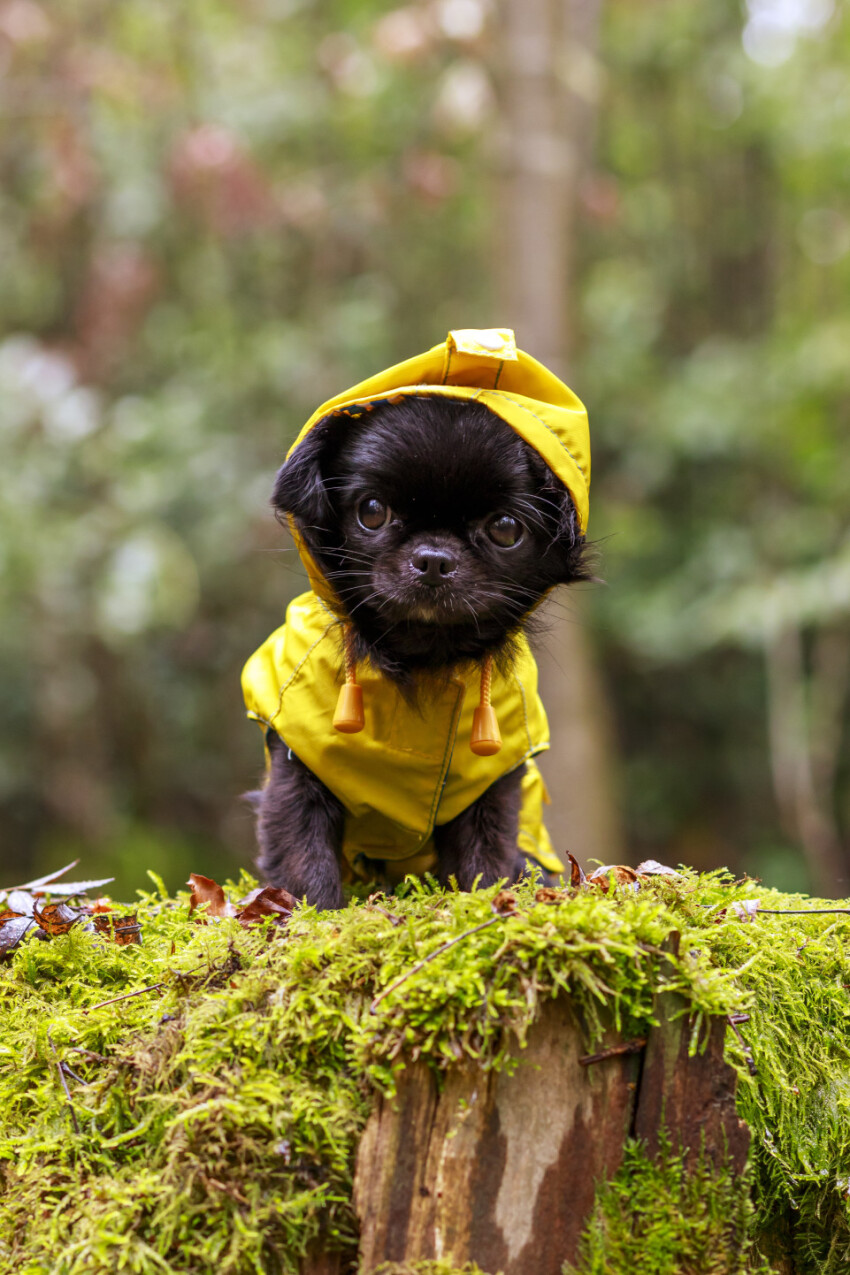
505,531
373,513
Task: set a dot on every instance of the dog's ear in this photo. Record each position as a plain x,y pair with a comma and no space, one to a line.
569,542
567,518
299,487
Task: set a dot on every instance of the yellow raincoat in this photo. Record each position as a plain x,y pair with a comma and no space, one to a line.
408,770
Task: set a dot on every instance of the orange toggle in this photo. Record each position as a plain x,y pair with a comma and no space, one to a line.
349,716
486,738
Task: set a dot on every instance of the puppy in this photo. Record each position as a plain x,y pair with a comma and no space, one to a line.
431,530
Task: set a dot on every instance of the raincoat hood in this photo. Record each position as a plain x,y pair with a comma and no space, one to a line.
484,366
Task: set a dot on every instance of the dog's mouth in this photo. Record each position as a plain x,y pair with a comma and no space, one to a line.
435,612
442,608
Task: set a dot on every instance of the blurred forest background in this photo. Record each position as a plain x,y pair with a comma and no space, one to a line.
214,215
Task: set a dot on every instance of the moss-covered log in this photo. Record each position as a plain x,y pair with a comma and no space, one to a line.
212,1120
501,1167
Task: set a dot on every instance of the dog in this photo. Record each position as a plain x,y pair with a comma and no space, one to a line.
432,529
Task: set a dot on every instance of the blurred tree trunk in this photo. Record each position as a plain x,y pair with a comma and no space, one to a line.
547,80
805,726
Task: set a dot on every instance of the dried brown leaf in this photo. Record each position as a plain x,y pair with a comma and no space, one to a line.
547,894
620,873
209,892
268,901
577,877
505,903
249,898
57,918
122,930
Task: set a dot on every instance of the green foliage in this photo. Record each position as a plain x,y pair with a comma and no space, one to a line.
797,972
214,1118
203,237
666,1216
714,320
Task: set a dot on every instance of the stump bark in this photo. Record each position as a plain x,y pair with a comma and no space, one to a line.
501,1168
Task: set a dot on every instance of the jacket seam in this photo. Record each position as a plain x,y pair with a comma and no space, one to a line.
446,762
524,710
501,394
296,671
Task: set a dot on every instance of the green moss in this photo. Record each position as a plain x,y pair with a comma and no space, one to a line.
220,1128
657,1218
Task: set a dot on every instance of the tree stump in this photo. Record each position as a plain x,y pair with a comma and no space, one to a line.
501,1169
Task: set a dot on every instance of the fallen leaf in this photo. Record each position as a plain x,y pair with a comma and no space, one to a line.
57,918
122,930
205,890
67,889
249,898
577,877
548,894
51,876
652,868
268,901
20,901
12,931
505,903
621,874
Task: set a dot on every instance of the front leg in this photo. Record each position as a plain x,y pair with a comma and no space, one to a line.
299,830
482,840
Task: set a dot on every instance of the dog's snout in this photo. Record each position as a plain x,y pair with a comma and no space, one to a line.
433,565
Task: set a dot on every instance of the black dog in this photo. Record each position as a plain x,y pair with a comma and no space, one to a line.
440,530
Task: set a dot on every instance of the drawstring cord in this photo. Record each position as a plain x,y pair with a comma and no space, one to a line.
349,717
485,740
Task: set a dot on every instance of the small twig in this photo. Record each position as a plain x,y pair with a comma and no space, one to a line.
153,987
373,907
626,1047
738,1018
88,1053
804,911
64,1086
732,1020
185,976
419,964
69,1071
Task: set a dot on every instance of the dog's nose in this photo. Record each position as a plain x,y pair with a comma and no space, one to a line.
433,565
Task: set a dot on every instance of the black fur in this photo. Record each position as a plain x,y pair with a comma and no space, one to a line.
427,592
480,843
299,830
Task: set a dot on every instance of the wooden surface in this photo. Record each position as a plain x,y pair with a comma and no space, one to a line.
498,1168
318,1262
693,1098
501,1169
